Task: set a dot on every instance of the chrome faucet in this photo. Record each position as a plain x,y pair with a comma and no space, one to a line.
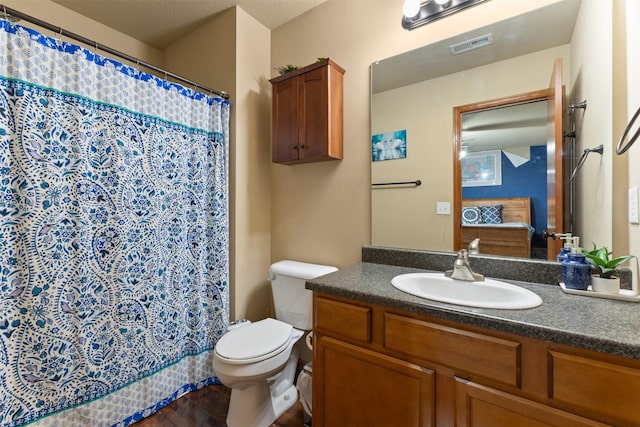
474,246
462,269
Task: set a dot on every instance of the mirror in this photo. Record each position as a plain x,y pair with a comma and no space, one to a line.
414,95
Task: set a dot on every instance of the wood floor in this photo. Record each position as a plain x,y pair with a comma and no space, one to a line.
207,407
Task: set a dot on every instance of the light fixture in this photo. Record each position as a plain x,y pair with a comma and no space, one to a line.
411,8
431,10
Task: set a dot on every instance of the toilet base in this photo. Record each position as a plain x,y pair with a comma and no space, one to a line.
259,405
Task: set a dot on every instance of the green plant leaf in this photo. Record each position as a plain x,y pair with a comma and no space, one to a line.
599,258
595,260
614,262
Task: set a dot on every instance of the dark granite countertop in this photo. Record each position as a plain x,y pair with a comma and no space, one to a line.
604,325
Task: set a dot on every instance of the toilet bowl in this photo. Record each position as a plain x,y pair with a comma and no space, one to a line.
258,361
260,376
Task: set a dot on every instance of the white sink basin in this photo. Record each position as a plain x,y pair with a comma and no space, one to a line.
488,294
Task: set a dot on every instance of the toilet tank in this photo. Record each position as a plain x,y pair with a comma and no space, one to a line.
292,301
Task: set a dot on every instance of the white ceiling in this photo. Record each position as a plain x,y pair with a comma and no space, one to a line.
160,22
520,125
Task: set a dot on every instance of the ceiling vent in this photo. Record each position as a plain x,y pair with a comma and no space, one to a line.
471,44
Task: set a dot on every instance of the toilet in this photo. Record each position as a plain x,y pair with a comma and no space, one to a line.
258,361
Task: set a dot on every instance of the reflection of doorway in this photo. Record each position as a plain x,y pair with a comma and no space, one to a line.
502,125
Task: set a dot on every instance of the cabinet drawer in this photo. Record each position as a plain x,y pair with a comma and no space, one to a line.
343,320
478,405
479,355
595,387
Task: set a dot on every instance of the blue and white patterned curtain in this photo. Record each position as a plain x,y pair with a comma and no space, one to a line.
113,235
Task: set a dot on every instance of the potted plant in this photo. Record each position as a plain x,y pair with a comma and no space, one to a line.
605,281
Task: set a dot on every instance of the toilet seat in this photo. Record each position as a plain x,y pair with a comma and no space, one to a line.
254,342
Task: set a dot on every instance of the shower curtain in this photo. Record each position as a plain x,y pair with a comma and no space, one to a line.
113,235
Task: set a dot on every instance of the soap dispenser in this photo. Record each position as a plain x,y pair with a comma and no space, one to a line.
576,272
566,247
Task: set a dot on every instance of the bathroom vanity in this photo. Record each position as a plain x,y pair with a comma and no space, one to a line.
383,357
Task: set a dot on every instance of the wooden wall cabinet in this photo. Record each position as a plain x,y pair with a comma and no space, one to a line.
373,365
307,114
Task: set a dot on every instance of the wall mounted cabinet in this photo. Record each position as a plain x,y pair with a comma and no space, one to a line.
307,114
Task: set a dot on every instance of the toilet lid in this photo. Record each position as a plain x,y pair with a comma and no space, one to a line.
257,340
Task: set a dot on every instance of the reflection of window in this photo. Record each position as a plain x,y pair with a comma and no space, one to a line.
389,146
482,168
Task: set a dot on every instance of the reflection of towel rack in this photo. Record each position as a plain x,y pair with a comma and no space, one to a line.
620,149
599,149
417,183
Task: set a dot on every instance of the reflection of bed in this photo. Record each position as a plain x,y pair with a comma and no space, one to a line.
512,237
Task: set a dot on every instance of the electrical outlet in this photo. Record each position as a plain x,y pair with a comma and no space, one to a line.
633,206
443,208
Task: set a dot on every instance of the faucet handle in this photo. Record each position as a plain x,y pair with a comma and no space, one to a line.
462,261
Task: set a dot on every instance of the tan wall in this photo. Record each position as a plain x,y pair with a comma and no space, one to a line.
252,216
427,114
231,53
622,93
631,71
207,55
321,212
592,80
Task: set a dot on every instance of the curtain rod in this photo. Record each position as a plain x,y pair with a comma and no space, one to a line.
12,12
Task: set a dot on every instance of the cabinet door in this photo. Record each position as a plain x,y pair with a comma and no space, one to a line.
481,406
313,114
599,387
356,387
285,144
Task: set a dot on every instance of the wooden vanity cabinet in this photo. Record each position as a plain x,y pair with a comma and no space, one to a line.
307,114
373,365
